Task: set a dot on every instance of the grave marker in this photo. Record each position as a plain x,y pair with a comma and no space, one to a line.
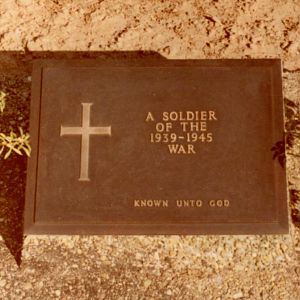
156,147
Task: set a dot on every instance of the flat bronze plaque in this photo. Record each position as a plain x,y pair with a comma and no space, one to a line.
156,147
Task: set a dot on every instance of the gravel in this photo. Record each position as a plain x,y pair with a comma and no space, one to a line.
143,267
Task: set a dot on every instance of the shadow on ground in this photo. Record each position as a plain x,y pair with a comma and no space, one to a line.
15,72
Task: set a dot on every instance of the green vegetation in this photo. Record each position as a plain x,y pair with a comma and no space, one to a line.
2,101
18,143
14,143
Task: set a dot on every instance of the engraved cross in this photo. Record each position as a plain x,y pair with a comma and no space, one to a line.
85,131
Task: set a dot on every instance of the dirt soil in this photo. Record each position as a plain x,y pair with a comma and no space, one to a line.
145,267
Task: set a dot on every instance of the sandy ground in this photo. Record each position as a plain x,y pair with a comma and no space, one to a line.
161,267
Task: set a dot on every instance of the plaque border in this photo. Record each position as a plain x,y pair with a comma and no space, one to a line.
279,226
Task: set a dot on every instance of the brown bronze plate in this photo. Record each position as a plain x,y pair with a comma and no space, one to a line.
156,147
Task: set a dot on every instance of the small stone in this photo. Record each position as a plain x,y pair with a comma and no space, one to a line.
147,283
169,292
238,295
57,293
267,259
138,256
2,283
27,286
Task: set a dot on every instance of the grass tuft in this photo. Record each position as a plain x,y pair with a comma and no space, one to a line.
15,143
2,101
